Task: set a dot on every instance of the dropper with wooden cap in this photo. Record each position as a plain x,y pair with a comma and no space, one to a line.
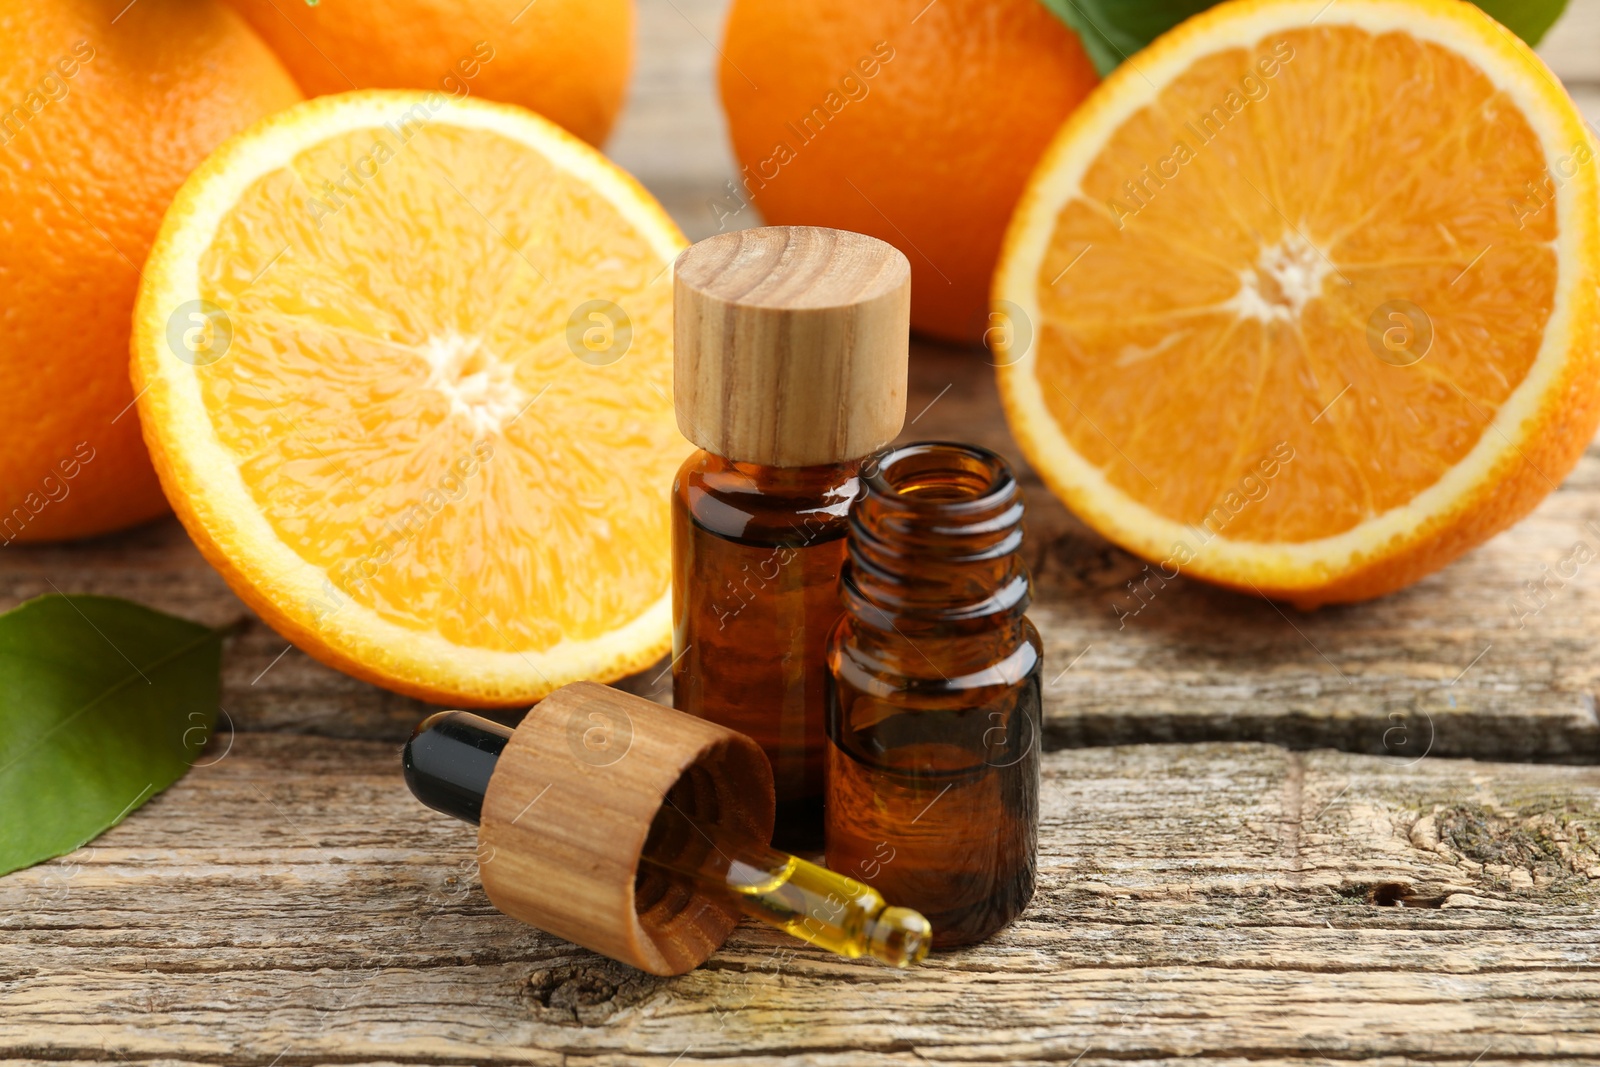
789,368
639,832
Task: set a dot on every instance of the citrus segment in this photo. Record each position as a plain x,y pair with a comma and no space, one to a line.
1311,292
436,445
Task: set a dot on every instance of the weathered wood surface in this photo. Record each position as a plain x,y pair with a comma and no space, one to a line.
288,903
1442,668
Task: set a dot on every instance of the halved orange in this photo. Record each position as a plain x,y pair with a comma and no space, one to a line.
404,368
1304,299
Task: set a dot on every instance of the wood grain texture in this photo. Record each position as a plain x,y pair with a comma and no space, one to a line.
288,903
790,344
1463,664
599,765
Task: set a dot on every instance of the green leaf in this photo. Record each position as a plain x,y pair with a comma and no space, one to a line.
103,704
1528,19
1113,30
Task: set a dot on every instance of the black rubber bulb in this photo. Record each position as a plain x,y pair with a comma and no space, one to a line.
449,759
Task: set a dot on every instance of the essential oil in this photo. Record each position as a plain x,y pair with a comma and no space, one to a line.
789,367
757,555
934,693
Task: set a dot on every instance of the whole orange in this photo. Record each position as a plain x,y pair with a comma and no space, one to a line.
568,60
105,108
915,122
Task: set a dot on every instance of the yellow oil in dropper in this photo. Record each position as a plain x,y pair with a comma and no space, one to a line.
802,899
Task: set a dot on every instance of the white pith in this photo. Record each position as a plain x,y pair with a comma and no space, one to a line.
1294,270
481,388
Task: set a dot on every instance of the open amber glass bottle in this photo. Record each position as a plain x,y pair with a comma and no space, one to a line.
934,693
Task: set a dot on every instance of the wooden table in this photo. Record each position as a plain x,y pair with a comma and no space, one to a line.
1370,833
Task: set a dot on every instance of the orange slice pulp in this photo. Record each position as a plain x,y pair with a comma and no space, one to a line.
404,368
1303,301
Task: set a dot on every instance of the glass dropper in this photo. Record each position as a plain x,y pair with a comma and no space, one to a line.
452,754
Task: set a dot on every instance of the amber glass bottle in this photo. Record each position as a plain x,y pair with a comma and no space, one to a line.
934,693
789,367
757,553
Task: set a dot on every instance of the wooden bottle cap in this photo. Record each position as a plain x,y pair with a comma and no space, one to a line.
570,804
790,344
